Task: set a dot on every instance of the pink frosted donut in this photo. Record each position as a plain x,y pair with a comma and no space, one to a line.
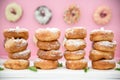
102,15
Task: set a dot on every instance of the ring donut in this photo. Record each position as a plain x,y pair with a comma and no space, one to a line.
16,64
48,34
98,55
43,14
49,55
105,45
72,14
46,64
103,64
74,55
102,15
101,35
13,12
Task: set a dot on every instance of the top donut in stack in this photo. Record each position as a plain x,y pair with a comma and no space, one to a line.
48,44
103,49
16,46
75,44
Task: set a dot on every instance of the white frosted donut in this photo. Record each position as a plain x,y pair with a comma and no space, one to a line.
48,34
74,44
105,45
13,12
43,14
76,33
15,45
102,15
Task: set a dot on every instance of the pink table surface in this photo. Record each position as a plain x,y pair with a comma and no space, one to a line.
58,7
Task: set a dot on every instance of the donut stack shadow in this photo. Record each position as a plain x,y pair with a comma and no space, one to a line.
103,50
48,44
74,44
16,46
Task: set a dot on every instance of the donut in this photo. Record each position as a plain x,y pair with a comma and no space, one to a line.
13,12
43,14
76,64
48,34
74,55
16,64
25,54
98,55
102,15
72,14
46,64
105,46
16,33
74,44
76,33
51,45
15,45
103,64
49,55
101,35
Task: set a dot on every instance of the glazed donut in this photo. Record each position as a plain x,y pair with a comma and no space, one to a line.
15,45
49,55
48,34
74,44
16,33
13,12
103,64
102,15
105,46
76,33
101,35
72,14
74,55
76,64
98,55
51,45
16,64
43,14
46,64
25,54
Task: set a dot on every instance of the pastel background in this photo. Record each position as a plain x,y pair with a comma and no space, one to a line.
58,7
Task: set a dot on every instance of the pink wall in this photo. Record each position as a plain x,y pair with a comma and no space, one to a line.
58,7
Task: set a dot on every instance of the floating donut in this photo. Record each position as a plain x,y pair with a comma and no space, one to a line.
101,35
49,55
16,33
76,33
15,45
51,45
43,14
46,64
74,44
72,14
48,34
74,55
103,64
16,64
76,64
98,55
25,54
13,12
105,45
102,15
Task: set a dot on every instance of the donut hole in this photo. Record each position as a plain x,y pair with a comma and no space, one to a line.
12,10
42,12
103,14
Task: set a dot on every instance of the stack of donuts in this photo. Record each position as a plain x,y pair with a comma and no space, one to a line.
103,50
16,46
74,43
48,44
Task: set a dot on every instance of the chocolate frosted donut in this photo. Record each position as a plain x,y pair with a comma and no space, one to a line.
43,14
